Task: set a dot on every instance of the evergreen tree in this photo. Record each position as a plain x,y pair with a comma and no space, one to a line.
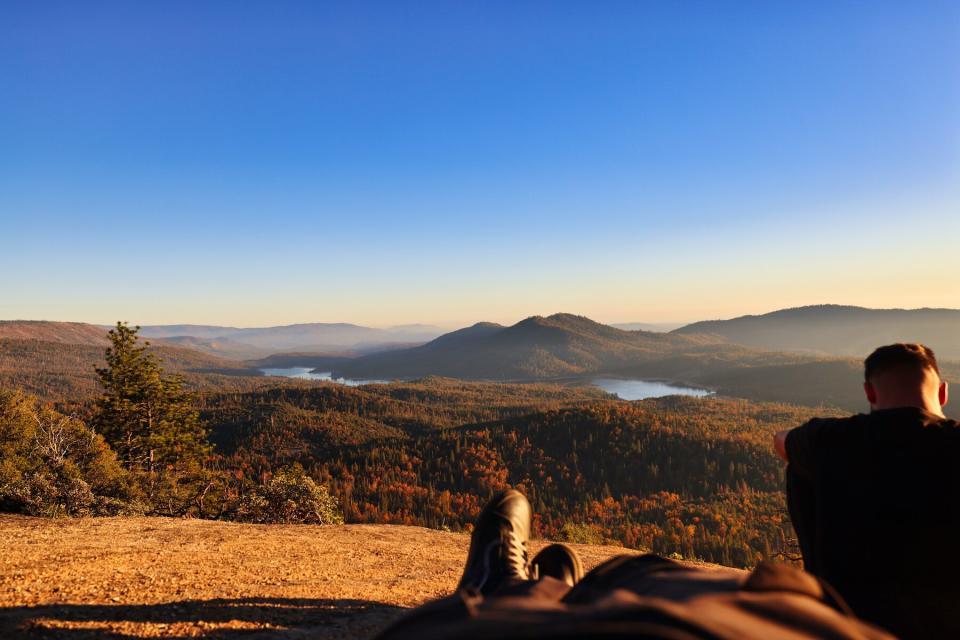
146,416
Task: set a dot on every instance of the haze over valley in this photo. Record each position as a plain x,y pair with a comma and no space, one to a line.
804,356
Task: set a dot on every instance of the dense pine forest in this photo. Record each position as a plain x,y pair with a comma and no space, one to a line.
676,475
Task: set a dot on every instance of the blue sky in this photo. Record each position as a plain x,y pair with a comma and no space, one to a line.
276,162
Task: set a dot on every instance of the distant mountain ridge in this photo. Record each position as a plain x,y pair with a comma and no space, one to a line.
259,342
756,357
838,329
57,370
49,331
236,343
537,347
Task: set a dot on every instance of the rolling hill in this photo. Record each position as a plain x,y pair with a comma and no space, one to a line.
561,345
839,330
47,331
564,346
259,342
55,359
217,347
48,364
16,334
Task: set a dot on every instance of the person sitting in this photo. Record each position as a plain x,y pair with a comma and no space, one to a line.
875,498
503,594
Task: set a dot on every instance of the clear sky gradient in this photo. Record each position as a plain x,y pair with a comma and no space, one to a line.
254,163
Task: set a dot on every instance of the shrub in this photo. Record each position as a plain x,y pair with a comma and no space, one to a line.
53,465
45,494
291,496
581,533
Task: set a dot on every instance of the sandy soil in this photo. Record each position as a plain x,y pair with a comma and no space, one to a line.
150,577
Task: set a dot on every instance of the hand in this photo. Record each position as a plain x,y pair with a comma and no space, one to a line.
780,443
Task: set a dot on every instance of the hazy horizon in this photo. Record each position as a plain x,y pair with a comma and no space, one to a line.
507,321
256,165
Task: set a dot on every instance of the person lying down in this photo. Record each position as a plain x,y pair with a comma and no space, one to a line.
503,594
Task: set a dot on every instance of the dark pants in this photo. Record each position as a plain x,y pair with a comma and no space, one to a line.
802,506
641,596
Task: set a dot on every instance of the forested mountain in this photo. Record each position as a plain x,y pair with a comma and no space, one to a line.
565,346
55,360
696,477
839,330
777,377
555,346
64,373
79,333
830,383
235,343
217,347
62,332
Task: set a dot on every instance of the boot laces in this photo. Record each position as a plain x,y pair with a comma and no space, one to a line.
514,554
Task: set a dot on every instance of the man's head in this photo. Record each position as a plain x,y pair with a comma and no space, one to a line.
904,375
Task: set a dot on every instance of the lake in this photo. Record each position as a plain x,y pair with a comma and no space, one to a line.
640,389
624,389
306,373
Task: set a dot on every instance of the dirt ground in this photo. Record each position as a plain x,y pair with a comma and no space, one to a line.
161,577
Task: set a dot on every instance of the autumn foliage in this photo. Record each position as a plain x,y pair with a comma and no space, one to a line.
675,475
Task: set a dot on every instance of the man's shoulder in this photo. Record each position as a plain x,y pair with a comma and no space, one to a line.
819,431
914,416
947,424
804,445
836,423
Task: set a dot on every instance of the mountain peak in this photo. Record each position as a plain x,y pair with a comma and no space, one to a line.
573,320
562,320
562,344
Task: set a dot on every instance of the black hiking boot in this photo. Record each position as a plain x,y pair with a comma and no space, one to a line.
498,546
557,561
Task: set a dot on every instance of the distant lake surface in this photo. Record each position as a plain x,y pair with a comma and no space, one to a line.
624,389
640,389
306,373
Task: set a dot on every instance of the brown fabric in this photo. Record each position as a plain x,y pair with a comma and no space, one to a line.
643,597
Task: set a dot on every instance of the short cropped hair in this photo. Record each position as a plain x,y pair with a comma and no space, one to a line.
903,356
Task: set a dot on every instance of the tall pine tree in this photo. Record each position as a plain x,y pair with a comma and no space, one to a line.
145,415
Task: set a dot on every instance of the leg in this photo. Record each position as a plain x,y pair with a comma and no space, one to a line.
651,575
497,575
498,545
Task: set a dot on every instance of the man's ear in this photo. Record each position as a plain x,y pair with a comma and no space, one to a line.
943,394
871,392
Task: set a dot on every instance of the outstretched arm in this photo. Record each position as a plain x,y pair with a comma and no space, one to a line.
780,443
